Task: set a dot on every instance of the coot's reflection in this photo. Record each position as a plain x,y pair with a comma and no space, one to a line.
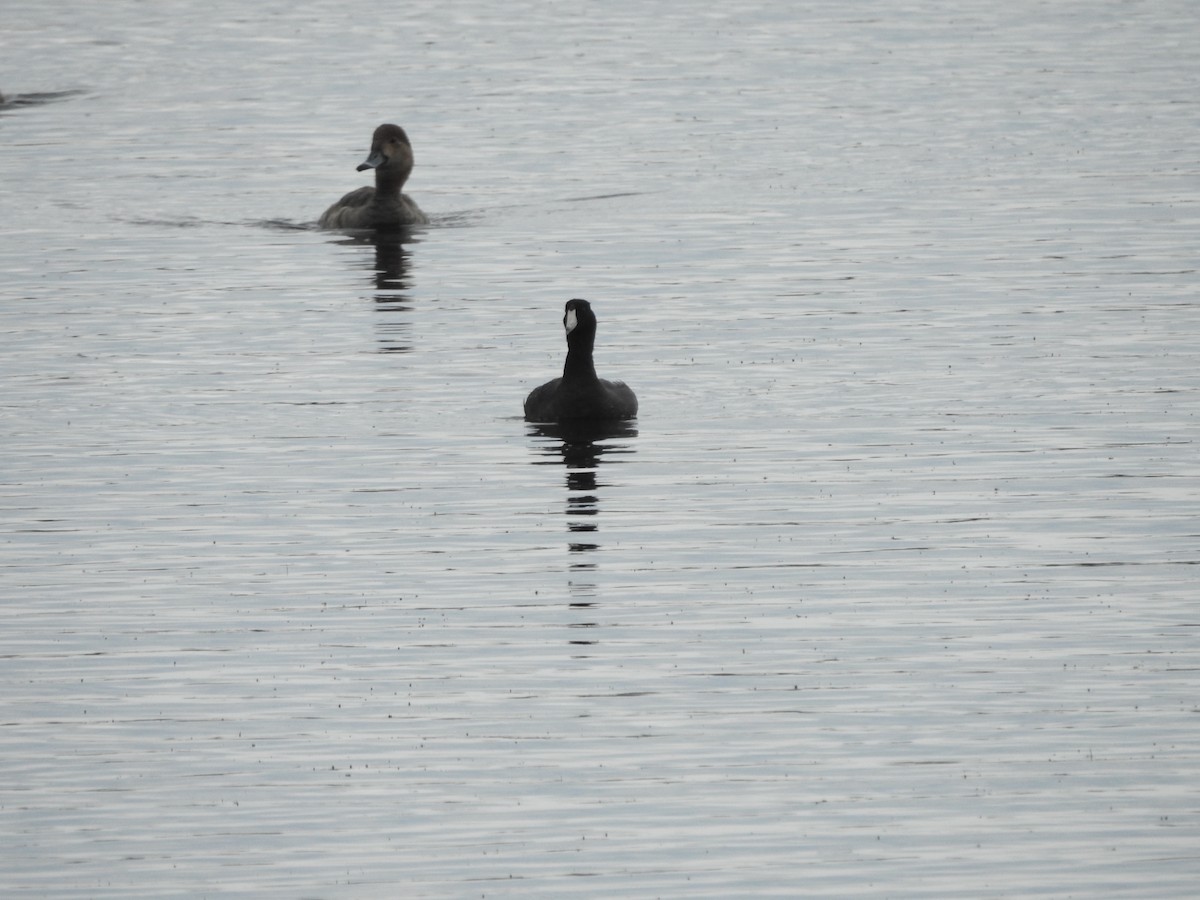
389,268
581,447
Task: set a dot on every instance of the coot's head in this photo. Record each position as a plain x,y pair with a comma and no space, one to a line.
390,152
579,320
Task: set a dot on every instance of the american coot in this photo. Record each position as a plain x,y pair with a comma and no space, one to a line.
382,206
579,394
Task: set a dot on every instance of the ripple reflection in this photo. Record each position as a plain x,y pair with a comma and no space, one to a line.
581,447
389,267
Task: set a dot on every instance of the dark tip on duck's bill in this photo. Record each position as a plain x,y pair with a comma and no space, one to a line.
374,161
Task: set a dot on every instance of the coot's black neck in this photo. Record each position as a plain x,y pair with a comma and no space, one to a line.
579,366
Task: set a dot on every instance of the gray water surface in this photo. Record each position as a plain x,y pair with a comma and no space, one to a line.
891,589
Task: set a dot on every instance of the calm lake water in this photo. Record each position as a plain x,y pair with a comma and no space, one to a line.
890,591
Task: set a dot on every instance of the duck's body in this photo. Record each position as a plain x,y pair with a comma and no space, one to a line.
383,206
579,394
368,208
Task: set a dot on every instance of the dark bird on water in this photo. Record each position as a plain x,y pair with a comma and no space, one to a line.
580,395
383,206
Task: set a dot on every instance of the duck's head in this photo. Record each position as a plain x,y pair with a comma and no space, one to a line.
390,152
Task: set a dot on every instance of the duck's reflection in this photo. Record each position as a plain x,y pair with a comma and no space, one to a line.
389,268
582,447
37,98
